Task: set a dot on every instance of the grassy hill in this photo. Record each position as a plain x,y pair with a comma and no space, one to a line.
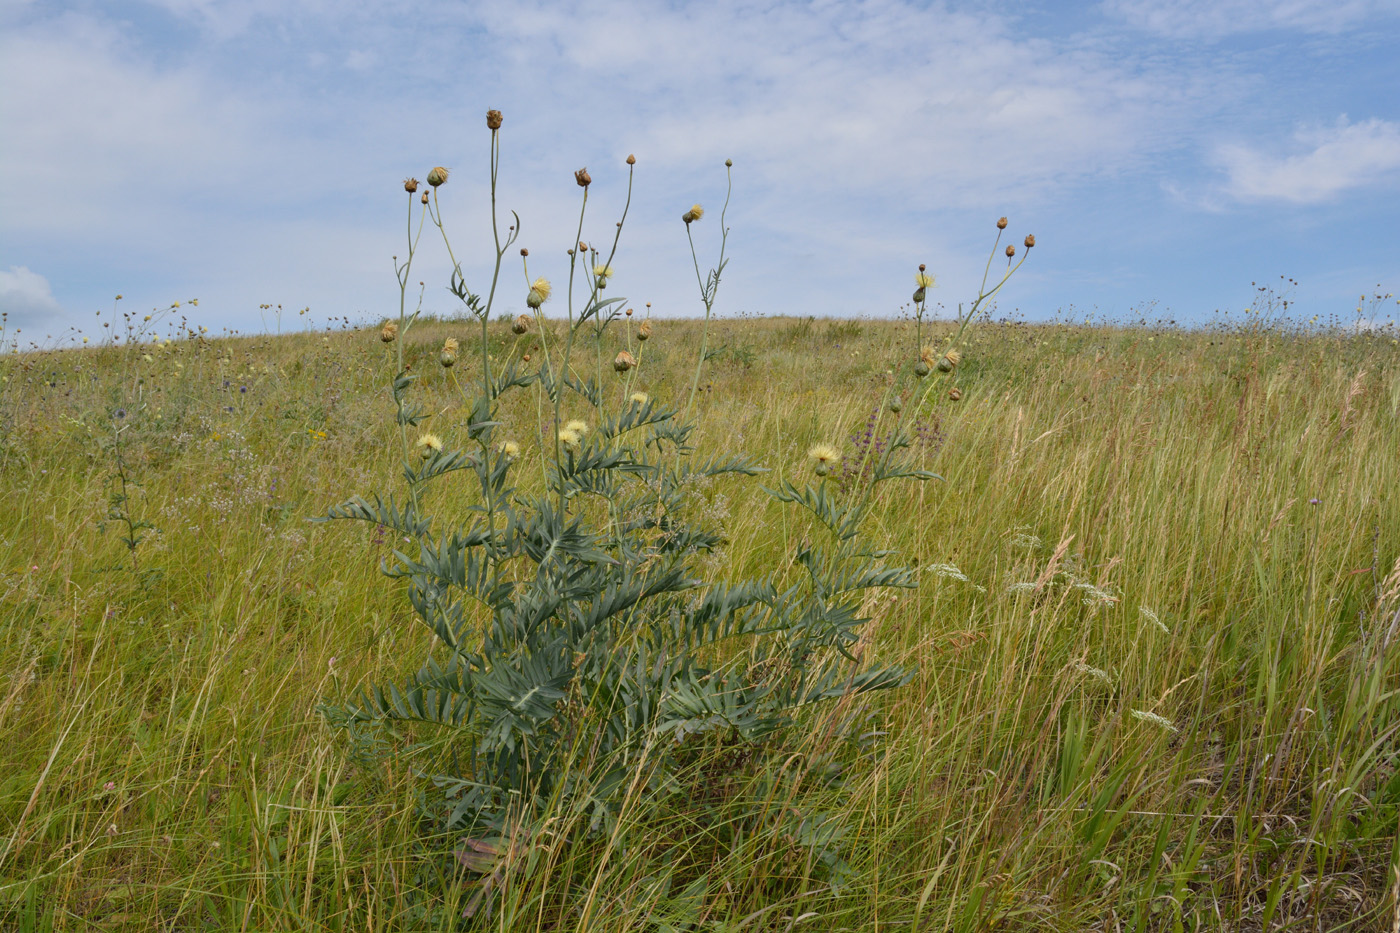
1154,641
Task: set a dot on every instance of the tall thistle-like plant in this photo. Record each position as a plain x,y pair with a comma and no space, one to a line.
579,651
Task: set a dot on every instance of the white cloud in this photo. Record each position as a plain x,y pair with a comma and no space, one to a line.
860,96
1335,159
109,142
26,299
1214,19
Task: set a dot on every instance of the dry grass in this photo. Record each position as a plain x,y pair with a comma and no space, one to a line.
1160,691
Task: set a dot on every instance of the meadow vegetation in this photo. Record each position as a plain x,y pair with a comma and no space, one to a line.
1147,678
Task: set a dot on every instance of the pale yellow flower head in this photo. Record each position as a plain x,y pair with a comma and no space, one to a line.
640,398
569,438
923,280
539,292
578,427
824,457
510,450
602,270
428,445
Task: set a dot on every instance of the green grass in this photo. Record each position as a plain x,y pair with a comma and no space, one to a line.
165,766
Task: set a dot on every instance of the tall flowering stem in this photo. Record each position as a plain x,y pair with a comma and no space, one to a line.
983,294
708,285
483,411
405,323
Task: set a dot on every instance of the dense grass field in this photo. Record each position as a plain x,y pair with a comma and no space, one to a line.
1156,641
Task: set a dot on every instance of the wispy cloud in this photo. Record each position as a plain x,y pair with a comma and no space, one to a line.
1215,19
1333,160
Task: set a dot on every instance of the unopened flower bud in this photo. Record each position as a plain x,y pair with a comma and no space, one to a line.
955,394
424,199
918,295
524,251
923,268
629,312
896,404
448,360
583,178
1010,250
1030,240
631,160
437,176
624,361
728,163
1001,224
410,185
493,119
921,369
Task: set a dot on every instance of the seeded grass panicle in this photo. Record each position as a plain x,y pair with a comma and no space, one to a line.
583,664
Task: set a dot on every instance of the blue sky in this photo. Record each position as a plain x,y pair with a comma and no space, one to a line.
252,151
